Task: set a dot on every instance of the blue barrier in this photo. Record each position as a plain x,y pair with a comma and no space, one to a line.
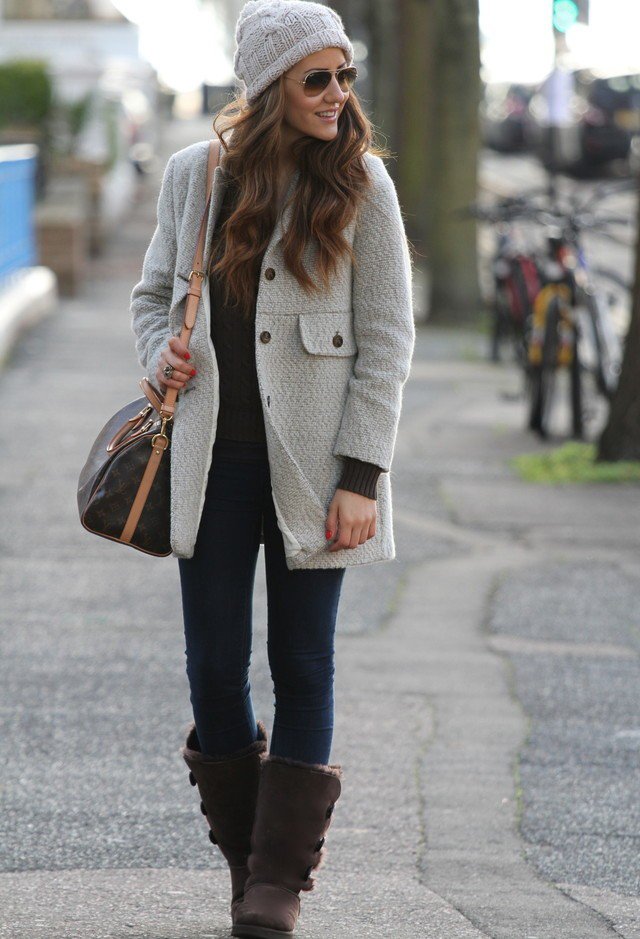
17,198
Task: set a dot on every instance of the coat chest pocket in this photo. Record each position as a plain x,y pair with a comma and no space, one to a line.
328,333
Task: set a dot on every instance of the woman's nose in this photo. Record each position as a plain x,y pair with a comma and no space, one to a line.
334,92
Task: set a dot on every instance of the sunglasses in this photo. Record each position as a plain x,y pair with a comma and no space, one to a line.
318,81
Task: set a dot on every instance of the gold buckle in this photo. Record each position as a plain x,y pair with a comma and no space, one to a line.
197,273
161,435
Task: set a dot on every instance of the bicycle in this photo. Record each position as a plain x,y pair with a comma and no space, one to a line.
571,325
549,304
515,271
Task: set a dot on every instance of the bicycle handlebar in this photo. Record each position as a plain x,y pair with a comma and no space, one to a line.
579,221
506,210
577,217
518,207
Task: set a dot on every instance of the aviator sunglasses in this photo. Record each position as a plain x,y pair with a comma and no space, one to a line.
318,81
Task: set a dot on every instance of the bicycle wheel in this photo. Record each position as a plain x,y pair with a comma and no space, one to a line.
542,381
575,375
607,345
500,323
520,286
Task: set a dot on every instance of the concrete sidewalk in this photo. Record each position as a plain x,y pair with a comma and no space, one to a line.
487,684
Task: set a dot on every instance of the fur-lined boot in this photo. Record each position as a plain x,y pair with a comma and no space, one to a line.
228,787
295,805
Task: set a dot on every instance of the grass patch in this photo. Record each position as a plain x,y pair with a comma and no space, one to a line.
573,462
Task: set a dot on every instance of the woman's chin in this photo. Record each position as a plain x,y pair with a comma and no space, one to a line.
326,132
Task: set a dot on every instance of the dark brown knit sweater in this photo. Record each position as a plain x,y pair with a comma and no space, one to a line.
240,415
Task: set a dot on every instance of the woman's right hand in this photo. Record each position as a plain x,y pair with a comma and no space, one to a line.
174,353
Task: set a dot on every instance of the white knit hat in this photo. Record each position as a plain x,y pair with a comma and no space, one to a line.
272,35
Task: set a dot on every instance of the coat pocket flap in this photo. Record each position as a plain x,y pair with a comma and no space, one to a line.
328,333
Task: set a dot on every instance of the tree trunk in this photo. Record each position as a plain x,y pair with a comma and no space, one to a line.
382,62
620,439
438,144
411,136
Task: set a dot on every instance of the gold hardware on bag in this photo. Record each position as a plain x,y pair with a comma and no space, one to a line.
197,273
162,434
129,433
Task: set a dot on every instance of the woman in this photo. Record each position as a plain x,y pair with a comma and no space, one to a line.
284,431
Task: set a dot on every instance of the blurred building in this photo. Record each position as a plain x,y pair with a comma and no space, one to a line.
82,41
91,54
74,33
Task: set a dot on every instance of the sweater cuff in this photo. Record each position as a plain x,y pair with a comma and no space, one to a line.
358,476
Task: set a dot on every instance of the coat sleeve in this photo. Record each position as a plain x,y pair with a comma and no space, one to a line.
383,325
151,297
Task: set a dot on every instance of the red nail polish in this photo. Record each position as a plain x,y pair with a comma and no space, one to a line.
328,533
187,355
193,371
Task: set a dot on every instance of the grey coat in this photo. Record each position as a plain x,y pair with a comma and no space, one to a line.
321,401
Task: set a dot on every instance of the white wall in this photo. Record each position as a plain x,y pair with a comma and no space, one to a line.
69,41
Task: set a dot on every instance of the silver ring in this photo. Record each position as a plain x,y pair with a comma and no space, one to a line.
167,371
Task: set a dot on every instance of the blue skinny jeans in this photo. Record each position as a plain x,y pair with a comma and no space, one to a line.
217,594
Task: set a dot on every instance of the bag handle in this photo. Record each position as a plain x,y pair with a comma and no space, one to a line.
194,293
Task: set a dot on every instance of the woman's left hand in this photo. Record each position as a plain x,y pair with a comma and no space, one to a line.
351,519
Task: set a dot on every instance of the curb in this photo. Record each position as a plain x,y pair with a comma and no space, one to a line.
29,296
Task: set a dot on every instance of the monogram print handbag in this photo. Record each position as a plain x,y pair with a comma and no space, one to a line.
124,486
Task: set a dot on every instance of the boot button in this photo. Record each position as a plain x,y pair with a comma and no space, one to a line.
337,340
203,809
269,273
319,845
329,811
192,779
265,335
212,837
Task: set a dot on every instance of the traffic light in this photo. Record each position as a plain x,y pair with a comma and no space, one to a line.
568,12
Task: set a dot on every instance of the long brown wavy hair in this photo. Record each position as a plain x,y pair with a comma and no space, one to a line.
331,184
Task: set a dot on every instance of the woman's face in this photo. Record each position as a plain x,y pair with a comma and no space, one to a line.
301,115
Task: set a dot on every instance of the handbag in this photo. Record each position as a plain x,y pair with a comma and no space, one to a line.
124,488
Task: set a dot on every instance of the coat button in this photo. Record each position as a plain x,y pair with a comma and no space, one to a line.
337,340
265,335
269,273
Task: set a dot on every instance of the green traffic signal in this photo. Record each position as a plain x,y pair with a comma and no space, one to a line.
565,14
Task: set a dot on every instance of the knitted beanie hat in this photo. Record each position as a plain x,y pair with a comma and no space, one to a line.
272,35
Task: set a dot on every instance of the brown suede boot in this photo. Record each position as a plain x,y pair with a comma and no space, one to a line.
228,787
295,804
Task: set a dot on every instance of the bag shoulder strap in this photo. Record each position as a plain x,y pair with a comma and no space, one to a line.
197,274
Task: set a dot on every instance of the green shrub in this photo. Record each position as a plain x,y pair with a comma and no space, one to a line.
77,113
573,462
26,92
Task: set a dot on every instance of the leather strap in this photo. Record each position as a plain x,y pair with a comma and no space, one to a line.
153,395
157,452
196,276
160,441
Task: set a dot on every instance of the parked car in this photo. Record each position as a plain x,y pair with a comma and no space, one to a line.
601,120
502,114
